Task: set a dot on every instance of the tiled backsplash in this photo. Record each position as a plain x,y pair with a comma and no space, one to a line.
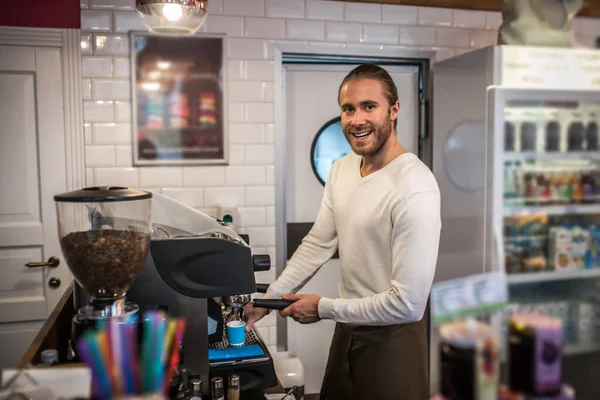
252,26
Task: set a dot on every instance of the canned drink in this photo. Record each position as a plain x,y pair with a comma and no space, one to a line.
469,361
535,354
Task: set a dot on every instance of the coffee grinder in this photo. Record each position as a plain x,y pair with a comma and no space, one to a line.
104,236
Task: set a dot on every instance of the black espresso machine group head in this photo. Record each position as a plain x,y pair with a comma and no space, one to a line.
196,263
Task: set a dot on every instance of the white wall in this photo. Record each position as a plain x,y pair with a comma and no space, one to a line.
252,26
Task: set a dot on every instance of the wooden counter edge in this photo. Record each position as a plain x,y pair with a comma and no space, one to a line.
49,325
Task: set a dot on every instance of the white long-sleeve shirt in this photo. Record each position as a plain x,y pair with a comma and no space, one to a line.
387,225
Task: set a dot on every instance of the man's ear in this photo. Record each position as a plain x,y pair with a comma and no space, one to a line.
394,110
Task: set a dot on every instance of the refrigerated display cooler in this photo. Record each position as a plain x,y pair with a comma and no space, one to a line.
517,157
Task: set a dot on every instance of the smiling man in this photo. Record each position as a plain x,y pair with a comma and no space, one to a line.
381,208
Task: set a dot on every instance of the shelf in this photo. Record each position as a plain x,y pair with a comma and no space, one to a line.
170,129
568,209
576,349
547,276
526,237
556,156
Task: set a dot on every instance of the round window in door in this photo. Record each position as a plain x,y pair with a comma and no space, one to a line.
328,146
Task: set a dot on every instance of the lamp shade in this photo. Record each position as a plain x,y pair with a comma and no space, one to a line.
172,17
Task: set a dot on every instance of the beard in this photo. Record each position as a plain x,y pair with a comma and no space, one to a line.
380,133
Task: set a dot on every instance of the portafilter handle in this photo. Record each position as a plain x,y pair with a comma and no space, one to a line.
272,304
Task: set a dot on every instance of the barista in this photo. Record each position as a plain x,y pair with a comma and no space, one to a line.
381,208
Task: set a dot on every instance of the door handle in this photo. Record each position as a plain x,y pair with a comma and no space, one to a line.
52,262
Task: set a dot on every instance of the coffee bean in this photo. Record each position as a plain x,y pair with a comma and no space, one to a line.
105,262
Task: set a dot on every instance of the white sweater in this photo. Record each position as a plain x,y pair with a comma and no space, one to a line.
387,226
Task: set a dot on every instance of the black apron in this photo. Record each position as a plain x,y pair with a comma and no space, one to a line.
377,363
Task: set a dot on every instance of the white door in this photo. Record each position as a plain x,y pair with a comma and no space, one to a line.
33,169
311,101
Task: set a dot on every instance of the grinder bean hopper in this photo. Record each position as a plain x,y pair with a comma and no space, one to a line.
104,236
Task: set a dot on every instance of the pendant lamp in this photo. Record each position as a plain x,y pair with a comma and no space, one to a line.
172,17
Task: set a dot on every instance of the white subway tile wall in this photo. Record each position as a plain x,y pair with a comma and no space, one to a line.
193,197
112,133
92,20
266,28
161,177
481,38
253,216
285,8
435,16
452,37
417,36
245,8
468,19
111,89
258,70
246,91
98,111
493,20
86,89
96,67
400,15
125,21
86,43
237,154
362,12
215,7
305,29
252,28
381,34
231,26
124,156
251,49
245,175
122,111
100,156
343,31
204,176
121,67
325,10
113,4
87,131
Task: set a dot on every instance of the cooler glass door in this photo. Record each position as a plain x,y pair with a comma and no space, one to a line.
545,207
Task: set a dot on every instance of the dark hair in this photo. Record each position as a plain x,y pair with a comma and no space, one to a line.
375,72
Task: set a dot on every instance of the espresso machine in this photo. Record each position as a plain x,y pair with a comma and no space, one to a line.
199,268
104,236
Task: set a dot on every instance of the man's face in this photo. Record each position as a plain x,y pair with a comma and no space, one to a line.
367,117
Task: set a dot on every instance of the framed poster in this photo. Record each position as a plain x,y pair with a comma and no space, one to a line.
178,99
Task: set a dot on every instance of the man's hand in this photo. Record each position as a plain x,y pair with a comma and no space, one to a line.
305,308
251,315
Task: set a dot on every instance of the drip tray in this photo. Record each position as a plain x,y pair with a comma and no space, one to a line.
254,350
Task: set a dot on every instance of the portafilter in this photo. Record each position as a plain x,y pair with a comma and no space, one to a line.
237,302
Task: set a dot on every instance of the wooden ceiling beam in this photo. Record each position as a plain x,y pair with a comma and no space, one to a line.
591,8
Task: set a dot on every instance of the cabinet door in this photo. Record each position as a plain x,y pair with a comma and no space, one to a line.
32,161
